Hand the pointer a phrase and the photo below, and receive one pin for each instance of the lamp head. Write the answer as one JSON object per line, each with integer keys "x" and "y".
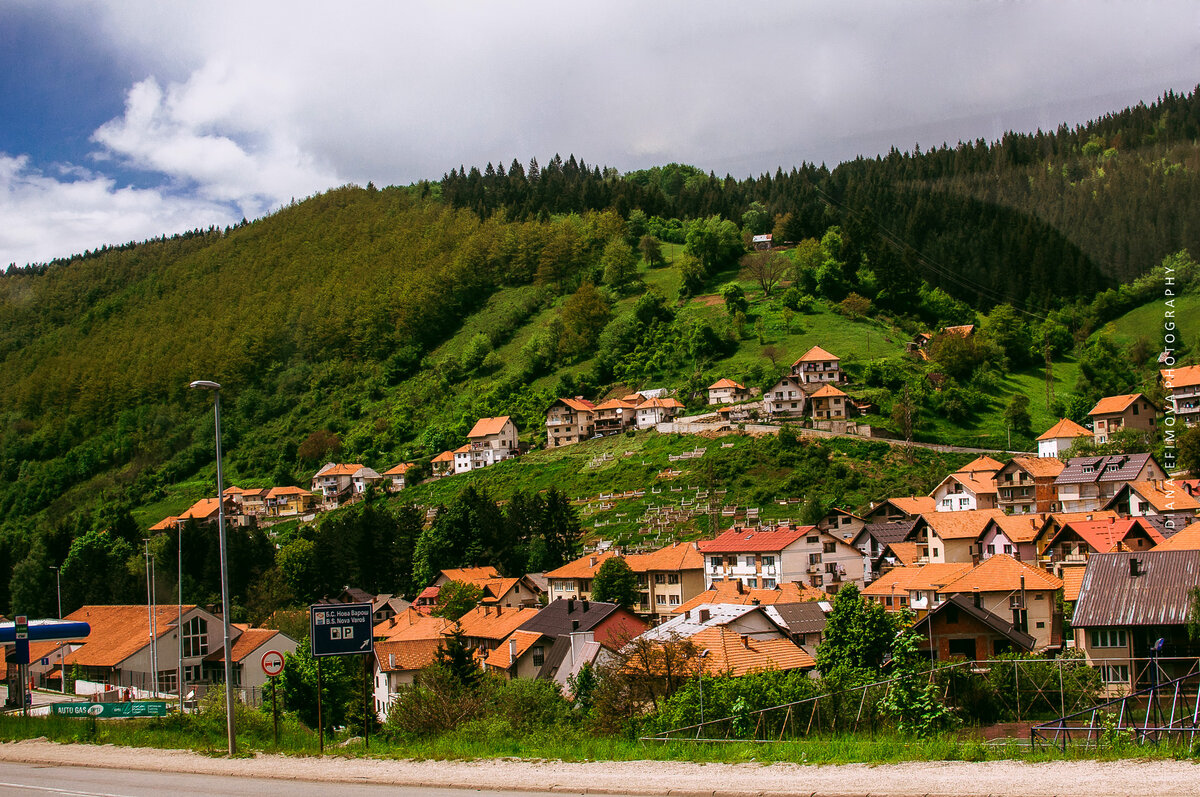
{"x": 204, "y": 384}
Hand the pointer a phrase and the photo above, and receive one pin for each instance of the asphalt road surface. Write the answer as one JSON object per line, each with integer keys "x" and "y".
{"x": 31, "y": 780}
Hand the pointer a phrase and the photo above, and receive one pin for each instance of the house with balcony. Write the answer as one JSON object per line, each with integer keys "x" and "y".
{"x": 951, "y": 536}
{"x": 657, "y": 410}
{"x": 971, "y": 487}
{"x": 548, "y": 639}
{"x": 667, "y": 578}
{"x": 726, "y": 391}
{"x": 1165, "y": 501}
{"x": 1129, "y": 601}
{"x": 616, "y": 415}
{"x": 337, "y": 483}
{"x": 875, "y": 540}
{"x": 1114, "y": 413}
{"x": 786, "y": 398}
{"x": 765, "y": 557}
{"x": 1077, "y": 541}
{"x": 1088, "y": 483}
{"x": 254, "y": 502}
{"x": 827, "y": 403}
{"x": 1182, "y": 387}
{"x": 1026, "y": 485}
{"x": 442, "y": 464}
{"x": 396, "y": 479}
{"x": 574, "y": 579}
{"x": 737, "y": 593}
{"x": 914, "y": 587}
{"x": 732, "y": 640}
{"x": 817, "y": 367}
{"x": 492, "y": 440}
{"x": 289, "y": 501}
{"x": 568, "y": 421}
{"x": 1013, "y": 535}
{"x": 1059, "y": 438}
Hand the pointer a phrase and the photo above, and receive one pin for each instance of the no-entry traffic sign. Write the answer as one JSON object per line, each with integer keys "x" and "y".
{"x": 272, "y": 663}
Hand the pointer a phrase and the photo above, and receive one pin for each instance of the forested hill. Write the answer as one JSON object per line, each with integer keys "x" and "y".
{"x": 376, "y": 326}
{"x": 1024, "y": 219}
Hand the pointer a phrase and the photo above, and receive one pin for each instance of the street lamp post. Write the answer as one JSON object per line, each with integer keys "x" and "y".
{"x": 201, "y": 384}
{"x": 62, "y": 676}
{"x": 179, "y": 619}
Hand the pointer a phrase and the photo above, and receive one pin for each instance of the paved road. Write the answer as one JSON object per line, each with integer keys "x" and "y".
{"x": 59, "y": 781}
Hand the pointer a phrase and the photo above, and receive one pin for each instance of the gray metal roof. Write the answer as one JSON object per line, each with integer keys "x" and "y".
{"x": 1127, "y": 468}
{"x": 558, "y": 618}
{"x": 887, "y": 533}
{"x": 1158, "y": 595}
{"x": 802, "y": 618}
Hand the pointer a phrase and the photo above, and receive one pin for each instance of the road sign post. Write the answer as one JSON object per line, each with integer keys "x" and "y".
{"x": 338, "y": 629}
{"x": 272, "y": 665}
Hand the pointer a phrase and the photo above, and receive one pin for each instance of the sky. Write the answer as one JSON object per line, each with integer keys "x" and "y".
{"x": 129, "y": 119}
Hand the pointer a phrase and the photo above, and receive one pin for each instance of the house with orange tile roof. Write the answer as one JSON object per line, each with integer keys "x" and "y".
{"x": 337, "y": 483}
{"x": 1018, "y": 592}
{"x": 617, "y": 414}
{"x": 522, "y": 655}
{"x": 396, "y": 478}
{"x": 767, "y": 556}
{"x": 1164, "y": 500}
{"x": 1014, "y": 535}
{"x": 667, "y": 577}
{"x": 951, "y": 536}
{"x": 254, "y": 502}
{"x": 442, "y": 464}
{"x": 289, "y": 501}
{"x": 492, "y": 440}
{"x": 732, "y": 640}
{"x": 1074, "y": 543}
{"x": 569, "y": 420}
{"x": 972, "y": 486}
{"x": 1114, "y": 413}
{"x": 118, "y": 652}
{"x": 657, "y": 410}
{"x": 896, "y": 510}
{"x": 916, "y": 587}
{"x": 736, "y": 593}
{"x": 396, "y": 666}
{"x": 726, "y": 391}
{"x": 206, "y": 510}
{"x": 485, "y": 627}
{"x": 1182, "y": 386}
{"x": 462, "y": 458}
{"x": 1026, "y": 485}
{"x": 411, "y": 623}
{"x": 496, "y": 590}
{"x": 1059, "y": 438}
{"x": 827, "y": 403}
{"x": 574, "y": 579}
{"x": 817, "y": 367}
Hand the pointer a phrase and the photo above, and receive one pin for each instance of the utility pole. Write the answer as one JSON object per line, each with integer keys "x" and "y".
{"x": 151, "y": 616}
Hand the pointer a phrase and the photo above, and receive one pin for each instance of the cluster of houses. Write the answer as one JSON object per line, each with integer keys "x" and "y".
{"x": 572, "y": 420}
{"x": 490, "y": 440}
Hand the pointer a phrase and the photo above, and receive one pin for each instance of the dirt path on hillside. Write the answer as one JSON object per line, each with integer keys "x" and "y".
{"x": 1074, "y": 778}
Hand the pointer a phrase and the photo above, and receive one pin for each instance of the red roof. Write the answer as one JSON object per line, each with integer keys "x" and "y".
{"x": 742, "y": 540}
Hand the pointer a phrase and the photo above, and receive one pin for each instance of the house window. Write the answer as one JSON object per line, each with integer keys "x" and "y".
{"x": 195, "y": 637}
{"x": 674, "y": 600}
{"x": 192, "y": 673}
{"x": 1114, "y": 673}
{"x": 768, "y": 583}
{"x": 672, "y": 578}
{"x": 539, "y": 655}
{"x": 1109, "y": 638}
{"x": 991, "y": 549}
{"x": 660, "y": 578}
{"x": 752, "y": 583}
{"x": 814, "y": 558}
{"x": 768, "y": 561}
{"x": 1008, "y": 549}
{"x": 811, "y": 540}
{"x": 952, "y": 615}
{"x": 830, "y": 547}
{"x": 964, "y": 502}
{"x": 661, "y": 600}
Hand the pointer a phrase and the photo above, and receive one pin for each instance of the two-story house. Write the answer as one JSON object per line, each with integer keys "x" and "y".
{"x": 616, "y": 415}
{"x": 951, "y": 536}
{"x": 1088, "y": 483}
{"x": 289, "y": 501}
{"x": 442, "y": 464}
{"x": 726, "y": 391}
{"x": 786, "y": 398}
{"x": 1114, "y": 413}
{"x": 396, "y": 478}
{"x": 568, "y": 421}
{"x": 769, "y": 556}
{"x": 1182, "y": 386}
{"x": 667, "y": 578}
{"x": 574, "y": 579}
{"x": 334, "y": 482}
{"x": 1077, "y": 541}
{"x": 492, "y": 440}
{"x": 827, "y": 403}
{"x": 817, "y": 367}
{"x": 1026, "y": 485}
{"x": 1059, "y": 438}
{"x": 914, "y": 587}
{"x": 971, "y": 487}
{"x": 1016, "y": 591}
{"x": 657, "y": 410}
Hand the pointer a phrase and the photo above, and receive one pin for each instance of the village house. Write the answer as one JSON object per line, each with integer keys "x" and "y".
{"x": 289, "y": 501}
{"x": 1089, "y": 483}
{"x": 1013, "y": 535}
{"x": 667, "y": 577}
{"x": 616, "y": 415}
{"x": 1026, "y": 485}
{"x": 1182, "y": 386}
{"x": 338, "y": 483}
{"x": 1015, "y": 591}
{"x": 1077, "y": 541}
{"x": 957, "y": 628}
{"x": 736, "y": 593}
{"x": 485, "y": 627}
{"x": 492, "y": 440}
{"x": 896, "y": 510}
{"x": 726, "y": 391}
{"x": 1129, "y": 601}
{"x": 818, "y": 367}
{"x": 828, "y": 403}
{"x": 951, "y": 536}
{"x": 574, "y": 579}
{"x": 913, "y": 587}
{"x": 842, "y": 523}
{"x": 657, "y": 410}
{"x": 396, "y": 666}
{"x": 971, "y": 487}
{"x": 876, "y": 542}
{"x": 442, "y": 464}
{"x": 732, "y": 640}
{"x": 765, "y": 557}
{"x": 254, "y": 502}
{"x": 396, "y": 478}
{"x": 785, "y": 399}
{"x": 462, "y": 459}
{"x": 1058, "y": 439}
{"x": 568, "y": 421}
{"x": 496, "y": 590}
{"x": 1162, "y": 500}
{"x": 1114, "y": 413}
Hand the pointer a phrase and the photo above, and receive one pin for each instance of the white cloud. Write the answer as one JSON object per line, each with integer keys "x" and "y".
{"x": 42, "y": 217}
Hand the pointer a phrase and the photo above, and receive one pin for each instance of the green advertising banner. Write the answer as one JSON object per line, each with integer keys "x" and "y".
{"x": 145, "y": 708}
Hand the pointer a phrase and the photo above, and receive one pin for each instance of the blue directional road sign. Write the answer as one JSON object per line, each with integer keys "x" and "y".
{"x": 340, "y": 629}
